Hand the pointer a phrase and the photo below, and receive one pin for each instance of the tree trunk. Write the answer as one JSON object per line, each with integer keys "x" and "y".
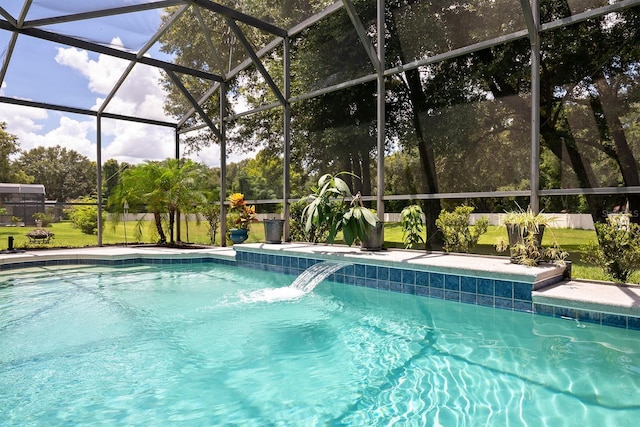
{"x": 612, "y": 109}
{"x": 431, "y": 208}
{"x": 172, "y": 222}
{"x": 158, "y": 220}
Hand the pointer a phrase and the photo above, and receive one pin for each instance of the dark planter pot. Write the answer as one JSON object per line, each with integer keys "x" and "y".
{"x": 375, "y": 239}
{"x": 273, "y": 230}
{"x": 238, "y": 235}
{"x": 516, "y": 236}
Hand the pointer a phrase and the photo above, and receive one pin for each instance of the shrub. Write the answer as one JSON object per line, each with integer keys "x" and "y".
{"x": 45, "y": 218}
{"x": 297, "y": 229}
{"x": 618, "y": 249}
{"x": 412, "y": 223}
{"x": 85, "y": 217}
{"x": 459, "y": 235}
{"x": 211, "y": 212}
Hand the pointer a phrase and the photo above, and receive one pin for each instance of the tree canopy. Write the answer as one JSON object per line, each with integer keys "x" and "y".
{"x": 66, "y": 174}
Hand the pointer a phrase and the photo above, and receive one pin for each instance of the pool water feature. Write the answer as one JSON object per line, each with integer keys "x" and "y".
{"x": 200, "y": 345}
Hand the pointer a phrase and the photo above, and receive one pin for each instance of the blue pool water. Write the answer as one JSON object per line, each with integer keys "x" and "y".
{"x": 211, "y": 345}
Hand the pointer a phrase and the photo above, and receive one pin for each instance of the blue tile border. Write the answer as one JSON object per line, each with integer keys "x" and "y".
{"x": 115, "y": 262}
{"x": 497, "y": 293}
{"x": 588, "y": 316}
{"x": 467, "y": 289}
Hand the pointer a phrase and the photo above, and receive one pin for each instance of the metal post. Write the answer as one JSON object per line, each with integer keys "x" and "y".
{"x": 380, "y": 112}
{"x": 178, "y": 228}
{"x": 125, "y": 209}
{"x": 223, "y": 164}
{"x": 286, "y": 170}
{"x": 534, "y": 202}
{"x": 99, "y": 170}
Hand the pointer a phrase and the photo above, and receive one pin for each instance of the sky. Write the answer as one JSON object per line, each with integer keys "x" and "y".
{"x": 52, "y": 73}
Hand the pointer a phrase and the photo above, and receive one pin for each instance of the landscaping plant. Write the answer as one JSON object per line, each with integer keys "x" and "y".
{"x": 412, "y": 224}
{"x": 525, "y": 230}
{"x": 332, "y": 204}
{"x": 618, "y": 249}
{"x": 85, "y": 217}
{"x": 459, "y": 235}
{"x": 297, "y": 229}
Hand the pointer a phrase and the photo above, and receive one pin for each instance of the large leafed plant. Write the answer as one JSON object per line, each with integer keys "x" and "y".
{"x": 332, "y": 204}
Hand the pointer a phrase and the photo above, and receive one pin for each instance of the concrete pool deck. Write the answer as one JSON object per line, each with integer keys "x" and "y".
{"x": 564, "y": 294}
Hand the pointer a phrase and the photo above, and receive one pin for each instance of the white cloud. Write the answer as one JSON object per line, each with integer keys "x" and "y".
{"x": 140, "y": 96}
{"x": 135, "y": 142}
{"x": 101, "y": 74}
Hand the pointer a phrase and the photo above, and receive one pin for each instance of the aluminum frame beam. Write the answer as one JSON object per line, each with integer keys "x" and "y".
{"x": 83, "y": 111}
{"x": 268, "y": 48}
{"x": 176, "y": 80}
{"x": 534, "y": 180}
{"x": 140, "y": 54}
{"x": 380, "y": 107}
{"x": 101, "y": 13}
{"x": 207, "y": 38}
{"x": 314, "y": 18}
{"x": 362, "y": 35}
{"x": 223, "y": 164}
{"x": 97, "y": 48}
{"x": 286, "y": 113}
{"x": 14, "y": 37}
{"x": 239, "y": 16}
{"x": 256, "y": 61}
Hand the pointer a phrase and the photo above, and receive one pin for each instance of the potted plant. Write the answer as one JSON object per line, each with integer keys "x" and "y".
{"x": 525, "y": 230}
{"x": 242, "y": 215}
{"x": 332, "y": 204}
{"x": 521, "y": 223}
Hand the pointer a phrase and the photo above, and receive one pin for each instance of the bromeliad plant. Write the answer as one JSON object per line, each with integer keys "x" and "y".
{"x": 332, "y": 204}
{"x": 243, "y": 214}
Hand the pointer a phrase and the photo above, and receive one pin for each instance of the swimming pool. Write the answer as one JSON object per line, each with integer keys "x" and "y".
{"x": 220, "y": 345}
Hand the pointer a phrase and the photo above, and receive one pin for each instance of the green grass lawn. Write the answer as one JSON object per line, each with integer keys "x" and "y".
{"x": 66, "y": 236}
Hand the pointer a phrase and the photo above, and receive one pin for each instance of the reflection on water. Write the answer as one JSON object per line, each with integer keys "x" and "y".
{"x": 219, "y": 345}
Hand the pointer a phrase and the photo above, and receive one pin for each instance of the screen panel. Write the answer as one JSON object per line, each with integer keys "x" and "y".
{"x": 590, "y": 103}
{"x": 419, "y": 30}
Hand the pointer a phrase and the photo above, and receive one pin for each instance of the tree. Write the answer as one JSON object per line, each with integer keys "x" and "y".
{"x": 65, "y": 174}
{"x": 8, "y": 147}
{"x": 589, "y": 95}
{"x": 468, "y": 118}
{"x": 111, "y": 172}
{"x": 164, "y": 188}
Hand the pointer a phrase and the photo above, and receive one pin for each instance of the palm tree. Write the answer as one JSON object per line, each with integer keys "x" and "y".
{"x": 164, "y": 188}
{"x": 180, "y": 180}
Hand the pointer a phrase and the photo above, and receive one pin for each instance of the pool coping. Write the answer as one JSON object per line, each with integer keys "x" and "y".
{"x": 115, "y": 255}
{"x": 494, "y": 267}
{"x": 551, "y": 292}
